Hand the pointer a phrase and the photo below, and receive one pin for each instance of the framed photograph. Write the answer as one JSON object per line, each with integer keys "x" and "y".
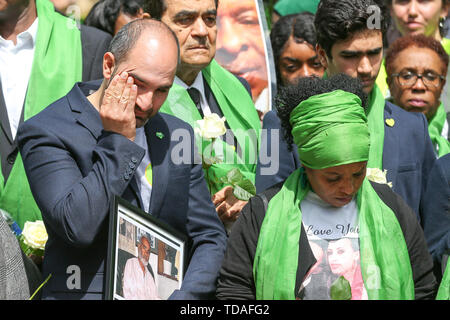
{"x": 146, "y": 257}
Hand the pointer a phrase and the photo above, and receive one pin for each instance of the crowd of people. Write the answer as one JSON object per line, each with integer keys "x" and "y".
{"x": 113, "y": 107}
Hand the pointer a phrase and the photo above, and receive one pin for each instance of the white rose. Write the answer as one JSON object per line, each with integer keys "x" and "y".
{"x": 34, "y": 234}
{"x": 211, "y": 127}
{"x": 378, "y": 176}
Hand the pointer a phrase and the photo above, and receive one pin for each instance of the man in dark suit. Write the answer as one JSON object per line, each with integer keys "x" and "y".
{"x": 85, "y": 148}
{"x": 400, "y": 144}
{"x": 202, "y": 87}
{"x": 42, "y": 55}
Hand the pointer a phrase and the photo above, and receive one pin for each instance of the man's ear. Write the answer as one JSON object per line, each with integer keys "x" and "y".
{"x": 109, "y": 63}
{"x": 322, "y": 56}
{"x": 143, "y": 15}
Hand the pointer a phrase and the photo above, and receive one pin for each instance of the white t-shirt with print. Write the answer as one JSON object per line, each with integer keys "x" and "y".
{"x": 333, "y": 234}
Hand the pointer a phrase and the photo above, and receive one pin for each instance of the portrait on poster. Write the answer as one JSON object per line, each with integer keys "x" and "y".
{"x": 146, "y": 257}
{"x": 243, "y": 47}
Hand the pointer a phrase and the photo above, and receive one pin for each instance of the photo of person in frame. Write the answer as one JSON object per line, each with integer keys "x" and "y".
{"x": 138, "y": 282}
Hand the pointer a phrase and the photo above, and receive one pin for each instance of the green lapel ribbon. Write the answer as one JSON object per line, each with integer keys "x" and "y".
{"x": 57, "y": 66}
{"x": 435, "y": 127}
{"x": 240, "y": 113}
{"x": 319, "y": 123}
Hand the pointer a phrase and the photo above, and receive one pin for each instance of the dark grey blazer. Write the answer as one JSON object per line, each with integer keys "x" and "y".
{"x": 19, "y": 276}
{"x": 94, "y": 45}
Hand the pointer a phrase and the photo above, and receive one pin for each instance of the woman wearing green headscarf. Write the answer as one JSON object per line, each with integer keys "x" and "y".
{"x": 327, "y": 232}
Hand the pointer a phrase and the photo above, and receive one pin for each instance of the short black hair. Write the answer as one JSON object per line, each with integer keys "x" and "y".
{"x": 289, "y": 97}
{"x": 298, "y": 25}
{"x": 338, "y": 20}
{"x": 104, "y": 13}
{"x": 156, "y": 8}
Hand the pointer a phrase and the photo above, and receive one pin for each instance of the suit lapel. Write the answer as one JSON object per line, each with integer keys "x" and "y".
{"x": 158, "y": 139}
{"x": 83, "y": 111}
{"x": 390, "y": 147}
{"x": 88, "y": 117}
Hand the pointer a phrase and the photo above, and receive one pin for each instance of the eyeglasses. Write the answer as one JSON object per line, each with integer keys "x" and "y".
{"x": 409, "y": 78}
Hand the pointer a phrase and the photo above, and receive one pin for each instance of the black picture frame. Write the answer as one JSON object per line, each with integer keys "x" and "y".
{"x": 167, "y": 257}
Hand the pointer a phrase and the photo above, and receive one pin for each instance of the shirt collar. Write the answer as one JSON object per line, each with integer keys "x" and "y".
{"x": 31, "y": 31}
{"x": 198, "y": 83}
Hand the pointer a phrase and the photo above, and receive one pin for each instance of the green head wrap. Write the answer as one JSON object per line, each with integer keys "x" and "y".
{"x": 330, "y": 129}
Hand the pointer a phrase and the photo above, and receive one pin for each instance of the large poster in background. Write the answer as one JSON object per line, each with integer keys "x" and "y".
{"x": 243, "y": 47}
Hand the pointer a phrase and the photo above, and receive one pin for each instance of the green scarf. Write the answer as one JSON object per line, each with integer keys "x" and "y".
{"x": 57, "y": 65}
{"x": 375, "y": 120}
{"x": 435, "y": 126}
{"x": 285, "y": 7}
{"x": 385, "y": 264}
{"x": 311, "y": 124}
{"x": 446, "y": 44}
{"x": 444, "y": 288}
{"x": 240, "y": 113}
{"x": 381, "y": 80}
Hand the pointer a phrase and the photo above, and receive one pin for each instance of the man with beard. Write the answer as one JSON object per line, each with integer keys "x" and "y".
{"x": 138, "y": 277}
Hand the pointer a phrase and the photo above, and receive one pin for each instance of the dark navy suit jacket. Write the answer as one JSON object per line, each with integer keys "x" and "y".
{"x": 437, "y": 210}
{"x": 75, "y": 167}
{"x": 408, "y": 155}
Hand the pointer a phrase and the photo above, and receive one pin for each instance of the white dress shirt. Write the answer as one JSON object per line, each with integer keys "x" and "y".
{"x": 145, "y": 186}
{"x": 138, "y": 284}
{"x": 199, "y": 85}
{"x": 16, "y": 61}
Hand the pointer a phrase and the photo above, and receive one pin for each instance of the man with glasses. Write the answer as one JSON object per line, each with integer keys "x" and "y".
{"x": 416, "y": 68}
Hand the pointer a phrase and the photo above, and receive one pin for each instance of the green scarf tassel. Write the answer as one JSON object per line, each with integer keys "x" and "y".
{"x": 435, "y": 126}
